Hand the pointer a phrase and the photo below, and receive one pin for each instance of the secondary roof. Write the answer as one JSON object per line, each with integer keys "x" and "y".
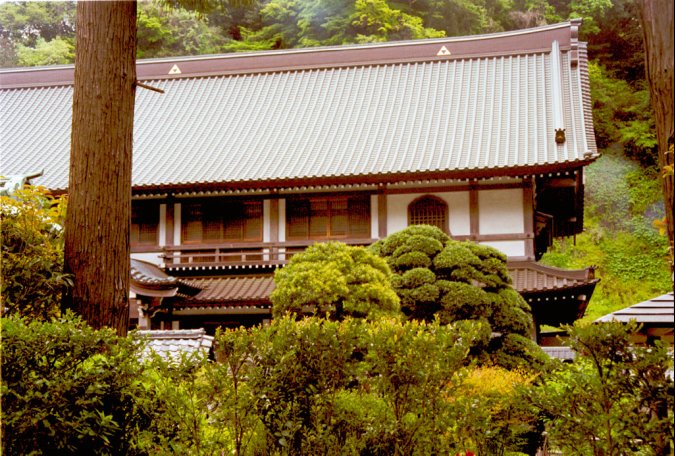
{"x": 466, "y": 107}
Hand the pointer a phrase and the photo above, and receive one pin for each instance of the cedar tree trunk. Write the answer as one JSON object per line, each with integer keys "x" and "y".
{"x": 656, "y": 17}
{"x": 99, "y": 207}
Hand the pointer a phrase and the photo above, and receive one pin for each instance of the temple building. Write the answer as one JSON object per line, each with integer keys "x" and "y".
{"x": 246, "y": 159}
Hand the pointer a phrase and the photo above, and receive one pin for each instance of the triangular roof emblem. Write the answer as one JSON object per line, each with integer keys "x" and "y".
{"x": 175, "y": 70}
{"x": 443, "y": 51}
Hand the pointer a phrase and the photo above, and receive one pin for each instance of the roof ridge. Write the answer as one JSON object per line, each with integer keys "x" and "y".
{"x": 522, "y": 41}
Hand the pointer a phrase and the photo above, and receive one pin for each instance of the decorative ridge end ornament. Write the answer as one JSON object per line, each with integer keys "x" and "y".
{"x": 574, "y": 41}
{"x": 11, "y": 183}
{"x": 560, "y": 135}
{"x": 444, "y": 52}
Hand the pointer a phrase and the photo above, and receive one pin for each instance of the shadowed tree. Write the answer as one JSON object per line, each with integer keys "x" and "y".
{"x": 99, "y": 210}
{"x": 656, "y": 17}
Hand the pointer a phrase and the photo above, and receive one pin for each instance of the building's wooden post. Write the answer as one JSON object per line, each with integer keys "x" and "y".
{"x": 474, "y": 220}
{"x": 528, "y": 213}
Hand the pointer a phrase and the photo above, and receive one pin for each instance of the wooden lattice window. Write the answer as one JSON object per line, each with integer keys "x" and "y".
{"x": 144, "y": 223}
{"x": 221, "y": 221}
{"x": 328, "y": 218}
{"x": 429, "y": 210}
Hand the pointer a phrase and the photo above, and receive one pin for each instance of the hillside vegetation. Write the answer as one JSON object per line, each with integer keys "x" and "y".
{"x": 622, "y": 201}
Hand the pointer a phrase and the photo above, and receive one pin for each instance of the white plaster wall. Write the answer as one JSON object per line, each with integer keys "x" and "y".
{"x": 458, "y": 211}
{"x": 501, "y": 211}
{"x": 374, "y": 217}
{"x": 509, "y": 248}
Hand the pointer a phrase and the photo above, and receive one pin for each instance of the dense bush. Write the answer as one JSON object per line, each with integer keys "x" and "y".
{"x": 315, "y": 386}
{"x": 437, "y": 277}
{"x": 615, "y": 398}
{"x": 68, "y": 389}
{"x": 32, "y": 253}
{"x": 351, "y": 387}
{"x": 337, "y": 280}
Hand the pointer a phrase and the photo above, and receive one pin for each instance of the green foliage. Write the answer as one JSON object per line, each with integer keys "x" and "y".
{"x": 349, "y": 387}
{"x": 164, "y": 32}
{"x": 437, "y": 277}
{"x": 230, "y": 399}
{"x": 32, "y": 253}
{"x": 492, "y": 413}
{"x": 622, "y": 113}
{"x": 415, "y": 419}
{"x": 183, "y": 408}
{"x": 32, "y": 31}
{"x": 376, "y": 20}
{"x": 622, "y": 201}
{"x": 299, "y": 368}
{"x": 68, "y": 389}
{"x": 55, "y": 52}
{"x": 334, "y": 279}
{"x": 615, "y": 398}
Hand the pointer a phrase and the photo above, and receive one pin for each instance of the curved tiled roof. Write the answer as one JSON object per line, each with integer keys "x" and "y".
{"x": 240, "y": 289}
{"x": 149, "y": 280}
{"x": 529, "y": 276}
{"x": 490, "y": 106}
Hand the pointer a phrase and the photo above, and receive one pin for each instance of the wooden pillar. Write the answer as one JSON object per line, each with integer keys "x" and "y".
{"x": 382, "y": 212}
{"x": 474, "y": 221}
{"x": 528, "y": 213}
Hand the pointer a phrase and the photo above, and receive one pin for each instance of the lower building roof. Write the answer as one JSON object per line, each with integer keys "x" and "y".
{"x": 240, "y": 291}
{"x": 655, "y": 311}
{"x": 173, "y": 345}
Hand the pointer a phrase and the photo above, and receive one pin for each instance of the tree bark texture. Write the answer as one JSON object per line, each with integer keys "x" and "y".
{"x": 99, "y": 208}
{"x": 657, "y": 27}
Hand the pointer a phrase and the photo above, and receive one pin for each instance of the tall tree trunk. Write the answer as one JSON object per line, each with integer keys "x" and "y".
{"x": 99, "y": 207}
{"x": 657, "y": 27}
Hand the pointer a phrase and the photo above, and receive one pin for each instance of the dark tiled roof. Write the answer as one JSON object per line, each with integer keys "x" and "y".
{"x": 149, "y": 280}
{"x": 490, "y": 107}
{"x": 658, "y": 311}
{"x": 253, "y": 290}
{"x": 529, "y": 276}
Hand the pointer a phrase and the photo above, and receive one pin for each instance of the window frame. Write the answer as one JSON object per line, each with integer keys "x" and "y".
{"x": 436, "y": 203}
{"x": 216, "y": 216}
{"x": 356, "y": 212}
{"x": 144, "y": 214}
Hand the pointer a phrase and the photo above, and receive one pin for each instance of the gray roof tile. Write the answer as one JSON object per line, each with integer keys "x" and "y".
{"x": 172, "y": 345}
{"x": 462, "y": 114}
{"x": 659, "y": 310}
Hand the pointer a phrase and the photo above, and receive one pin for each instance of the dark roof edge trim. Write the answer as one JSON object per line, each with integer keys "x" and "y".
{"x": 524, "y": 41}
{"x": 362, "y": 180}
{"x": 371, "y": 179}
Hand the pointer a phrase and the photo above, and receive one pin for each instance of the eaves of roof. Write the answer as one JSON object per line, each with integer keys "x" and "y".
{"x": 530, "y": 277}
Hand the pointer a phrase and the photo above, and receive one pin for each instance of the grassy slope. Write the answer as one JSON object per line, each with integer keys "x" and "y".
{"x": 622, "y": 200}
